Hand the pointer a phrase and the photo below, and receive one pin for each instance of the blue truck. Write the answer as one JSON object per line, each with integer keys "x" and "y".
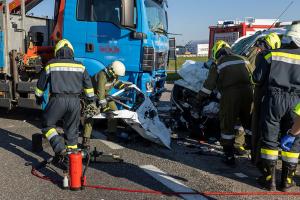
{"x": 101, "y": 31}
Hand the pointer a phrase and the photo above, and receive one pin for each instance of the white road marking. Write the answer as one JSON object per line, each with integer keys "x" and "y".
{"x": 170, "y": 182}
{"x": 241, "y": 175}
{"x": 103, "y": 139}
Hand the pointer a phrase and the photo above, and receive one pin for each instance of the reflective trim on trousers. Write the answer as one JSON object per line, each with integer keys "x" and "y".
{"x": 269, "y": 154}
{"x": 89, "y": 90}
{"x": 240, "y": 128}
{"x": 290, "y": 157}
{"x": 51, "y": 133}
{"x": 72, "y": 146}
{"x": 206, "y": 91}
{"x": 227, "y": 136}
{"x": 248, "y": 132}
{"x": 90, "y": 94}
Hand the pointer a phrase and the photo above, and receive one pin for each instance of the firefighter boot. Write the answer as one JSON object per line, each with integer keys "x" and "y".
{"x": 287, "y": 174}
{"x": 240, "y": 151}
{"x": 229, "y": 158}
{"x": 268, "y": 180}
{"x": 85, "y": 143}
{"x": 61, "y": 160}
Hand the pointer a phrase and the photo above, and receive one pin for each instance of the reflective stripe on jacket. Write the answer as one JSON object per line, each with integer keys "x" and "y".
{"x": 231, "y": 71}
{"x": 65, "y": 76}
{"x": 280, "y": 68}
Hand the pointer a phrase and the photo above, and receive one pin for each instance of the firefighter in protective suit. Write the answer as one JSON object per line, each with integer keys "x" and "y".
{"x": 66, "y": 79}
{"x": 106, "y": 80}
{"x": 231, "y": 76}
{"x": 268, "y": 42}
{"x": 280, "y": 70}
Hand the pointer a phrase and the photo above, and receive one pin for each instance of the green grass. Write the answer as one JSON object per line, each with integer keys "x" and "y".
{"x": 172, "y": 76}
{"x": 181, "y": 60}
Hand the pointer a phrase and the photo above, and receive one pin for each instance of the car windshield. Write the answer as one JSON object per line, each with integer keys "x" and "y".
{"x": 157, "y": 19}
{"x": 241, "y": 46}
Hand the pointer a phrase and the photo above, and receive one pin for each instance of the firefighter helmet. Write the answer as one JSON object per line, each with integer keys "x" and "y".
{"x": 273, "y": 40}
{"x": 217, "y": 46}
{"x": 118, "y": 68}
{"x": 62, "y": 43}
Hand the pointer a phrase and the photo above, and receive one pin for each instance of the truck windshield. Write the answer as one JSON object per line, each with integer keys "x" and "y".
{"x": 157, "y": 19}
{"x": 99, "y": 11}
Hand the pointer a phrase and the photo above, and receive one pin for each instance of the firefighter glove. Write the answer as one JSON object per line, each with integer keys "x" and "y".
{"x": 90, "y": 110}
{"x": 106, "y": 108}
{"x": 102, "y": 103}
{"x": 287, "y": 142}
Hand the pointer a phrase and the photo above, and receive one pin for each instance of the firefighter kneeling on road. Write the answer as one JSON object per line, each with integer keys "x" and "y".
{"x": 280, "y": 70}
{"x": 231, "y": 75}
{"x": 67, "y": 79}
{"x": 106, "y": 80}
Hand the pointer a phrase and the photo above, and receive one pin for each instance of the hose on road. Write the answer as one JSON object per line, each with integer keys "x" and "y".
{"x": 35, "y": 173}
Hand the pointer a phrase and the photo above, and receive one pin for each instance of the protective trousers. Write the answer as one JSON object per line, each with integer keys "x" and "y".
{"x": 259, "y": 92}
{"x": 111, "y": 123}
{"x": 67, "y": 108}
{"x": 235, "y": 106}
{"x": 278, "y": 105}
{"x": 239, "y": 140}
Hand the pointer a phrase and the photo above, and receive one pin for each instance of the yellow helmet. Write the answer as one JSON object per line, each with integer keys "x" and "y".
{"x": 273, "y": 40}
{"x": 61, "y": 44}
{"x": 217, "y": 46}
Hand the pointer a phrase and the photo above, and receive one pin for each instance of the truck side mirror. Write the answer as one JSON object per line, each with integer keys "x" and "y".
{"x": 138, "y": 35}
{"x": 127, "y": 18}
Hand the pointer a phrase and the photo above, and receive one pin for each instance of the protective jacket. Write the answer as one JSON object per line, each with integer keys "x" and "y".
{"x": 251, "y": 56}
{"x": 231, "y": 71}
{"x": 105, "y": 83}
{"x": 65, "y": 76}
{"x": 279, "y": 69}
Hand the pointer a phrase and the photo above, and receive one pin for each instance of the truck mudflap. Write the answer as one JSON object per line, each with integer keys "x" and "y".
{"x": 27, "y": 97}
{"x": 5, "y": 94}
{"x": 143, "y": 119}
{"x": 5, "y": 103}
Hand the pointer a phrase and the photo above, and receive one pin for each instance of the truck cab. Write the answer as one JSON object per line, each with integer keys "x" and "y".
{"x": 131, "y": 31}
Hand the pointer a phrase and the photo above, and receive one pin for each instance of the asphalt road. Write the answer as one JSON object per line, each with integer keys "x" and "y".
{"x": 146, "y": 167}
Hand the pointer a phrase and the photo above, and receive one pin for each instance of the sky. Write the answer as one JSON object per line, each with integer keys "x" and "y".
{"x": 191, "y": 18}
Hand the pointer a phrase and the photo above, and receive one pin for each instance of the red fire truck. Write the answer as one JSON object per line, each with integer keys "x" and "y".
{"x": 231, "y": 30}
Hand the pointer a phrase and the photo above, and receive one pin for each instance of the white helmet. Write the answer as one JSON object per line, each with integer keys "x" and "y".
{"x": 119, "y": 68}
{"x": 294, "y": 30}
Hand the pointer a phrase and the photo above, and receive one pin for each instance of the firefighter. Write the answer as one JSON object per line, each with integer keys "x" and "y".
{"x": 106, "y": 80}
{"x": 268, "y": 42}
{"x": 66, "y": 79}
{"x": 279, "y": 69}
{"x": 231, "y": 76}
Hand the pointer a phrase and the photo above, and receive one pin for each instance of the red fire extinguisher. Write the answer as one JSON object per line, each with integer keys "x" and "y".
{"x": 75, "y": 170}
